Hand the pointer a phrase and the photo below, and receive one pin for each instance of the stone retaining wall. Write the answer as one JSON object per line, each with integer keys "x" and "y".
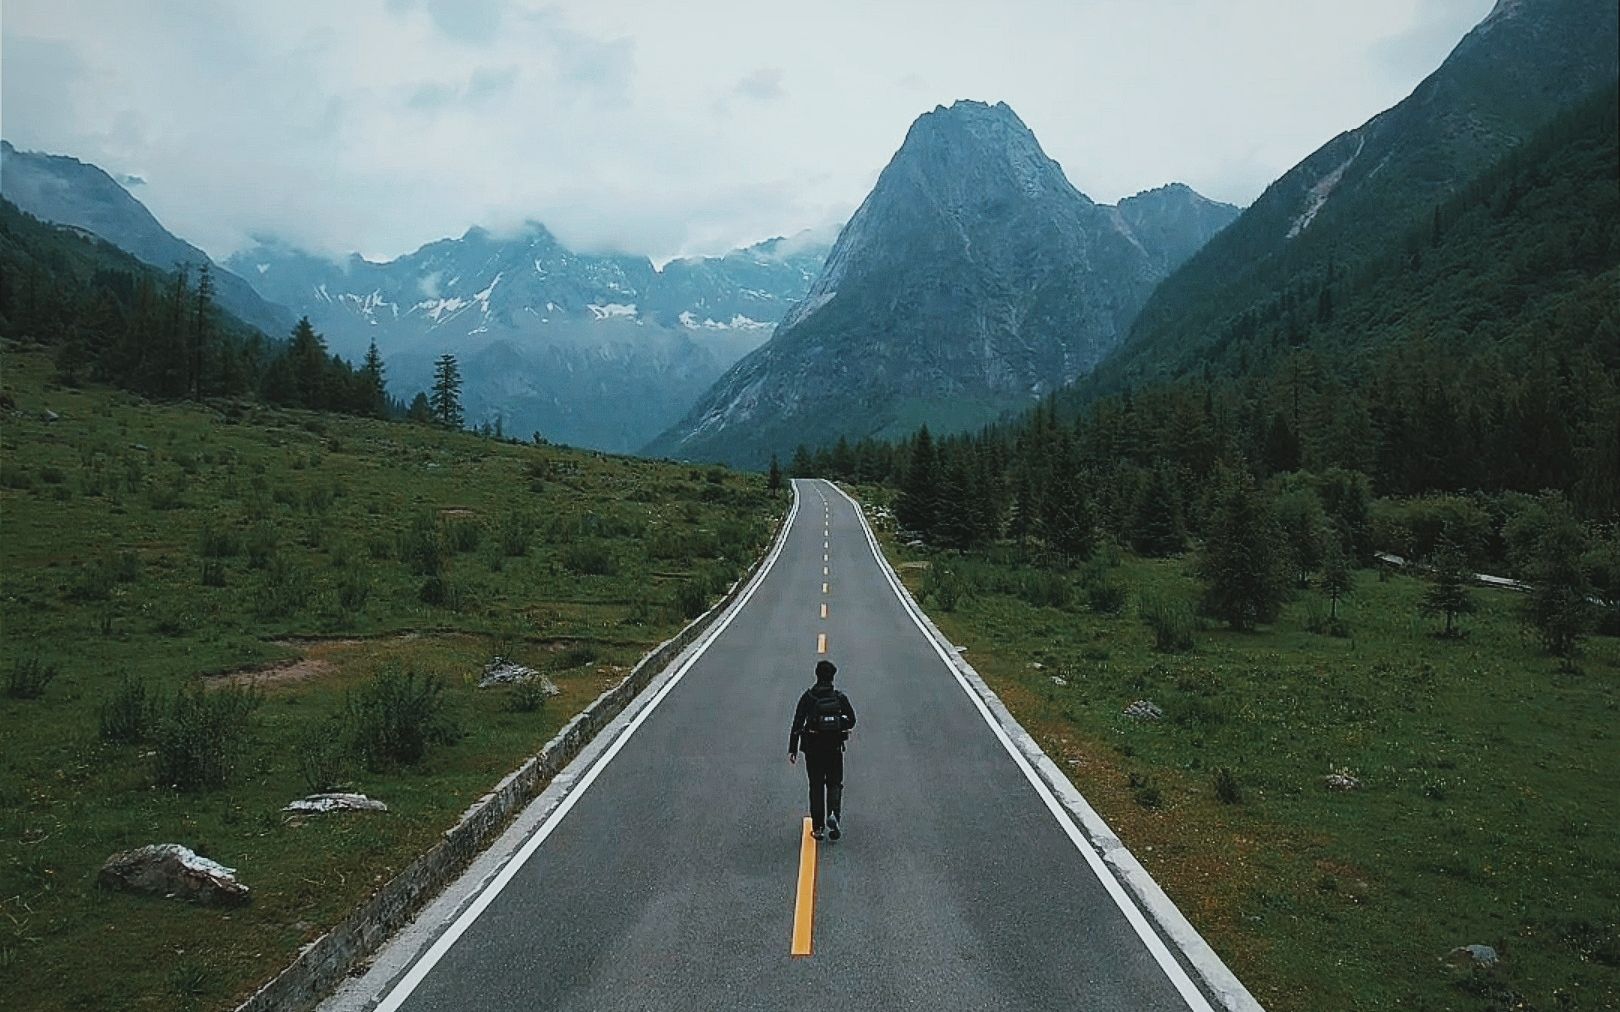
{"x": 323, "y": 963}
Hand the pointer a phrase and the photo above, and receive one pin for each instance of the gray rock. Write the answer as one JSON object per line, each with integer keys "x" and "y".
{"x": 316, "y": 804}
{"x": 501, "y": 671}
{"x": 169, "y": 869}
{"x": 1342, "y": 780}
{"x": 50, "y": 416}
{"x": 1059, "y": 681}
{"x": 1465, "y": 956}
{"x": 1144, "y": 709}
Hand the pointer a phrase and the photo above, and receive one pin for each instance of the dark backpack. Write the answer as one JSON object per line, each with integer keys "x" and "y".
{"x": 826, "y": 715}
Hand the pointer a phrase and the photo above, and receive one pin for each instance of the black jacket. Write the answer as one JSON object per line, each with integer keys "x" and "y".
{"x": 801, "y": 714}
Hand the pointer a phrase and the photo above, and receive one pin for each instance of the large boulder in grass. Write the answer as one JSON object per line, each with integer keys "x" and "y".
{"x": 168, "y": 869}
{"x": 337, "y": 801}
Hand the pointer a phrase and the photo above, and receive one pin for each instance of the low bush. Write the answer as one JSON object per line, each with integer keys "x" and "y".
{"x": 1106, "y": 598}
{"x": 463, "y": 534}
{"x": 323, "y": 756}
{"x": 127, "y": 716}
{"x": 1171, "y": 620}
{"x": 1227, "y": 789}
{"x": 395, "y": 716}
{"x": 589, "y": 558}
{"x": 202, "y": 736}
{"x": 28, "y": 676}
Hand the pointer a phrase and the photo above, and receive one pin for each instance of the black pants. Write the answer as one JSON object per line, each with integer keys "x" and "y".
{"x": 825, "y": 768}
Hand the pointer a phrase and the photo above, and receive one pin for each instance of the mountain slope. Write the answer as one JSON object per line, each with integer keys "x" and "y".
{"x": 594, "y": 350}
{"x": 1336, "y": 211}
{"x": 973, "y": 278}
{"x": 70, "y": 192}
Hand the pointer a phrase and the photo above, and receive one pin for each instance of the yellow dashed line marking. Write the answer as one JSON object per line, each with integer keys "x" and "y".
{"x": 804, "y": 905}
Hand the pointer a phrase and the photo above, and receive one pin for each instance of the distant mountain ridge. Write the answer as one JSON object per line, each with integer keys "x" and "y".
{"x": 66, "y": 191}
{"x": 1336, "y": 211}
{"x": 972, "y": 279}
{"x": 597, "y": 350}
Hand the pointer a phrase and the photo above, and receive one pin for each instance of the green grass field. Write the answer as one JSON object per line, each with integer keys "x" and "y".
{"x": 1489, "y": 812}
{"x": 175, "y": 544}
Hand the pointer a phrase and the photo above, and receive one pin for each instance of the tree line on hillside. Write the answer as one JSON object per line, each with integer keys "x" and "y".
{"x": 109, "y": 318}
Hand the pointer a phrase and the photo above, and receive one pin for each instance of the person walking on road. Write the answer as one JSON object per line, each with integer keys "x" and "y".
{"x": 821, "y": 723}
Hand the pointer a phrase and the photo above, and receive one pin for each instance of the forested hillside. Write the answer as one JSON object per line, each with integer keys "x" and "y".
{"x": 110, "y": 318}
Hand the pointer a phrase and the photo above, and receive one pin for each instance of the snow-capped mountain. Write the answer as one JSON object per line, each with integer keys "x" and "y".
{"x": 973, "y": 279}
{"x": 597, "y": 350}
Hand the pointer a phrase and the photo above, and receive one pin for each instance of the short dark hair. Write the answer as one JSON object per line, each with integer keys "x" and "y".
{"x": 825, "y": 671}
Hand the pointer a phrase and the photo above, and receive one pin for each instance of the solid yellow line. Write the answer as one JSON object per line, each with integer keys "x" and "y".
{"x": 821, "y": 643}
{"x": 804, "y": 905}
{"x": 824, "y": 609}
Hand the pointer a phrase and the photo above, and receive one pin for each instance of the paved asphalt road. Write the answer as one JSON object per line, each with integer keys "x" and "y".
{"x": 671, "y": 882}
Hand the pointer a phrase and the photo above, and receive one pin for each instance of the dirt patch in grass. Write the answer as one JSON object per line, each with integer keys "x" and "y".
{"x": 284, "y": 673}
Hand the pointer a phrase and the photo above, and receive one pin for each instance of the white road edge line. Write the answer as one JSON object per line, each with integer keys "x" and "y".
{"x": 428, "y": 960}
{"x": 1210, "y": 967}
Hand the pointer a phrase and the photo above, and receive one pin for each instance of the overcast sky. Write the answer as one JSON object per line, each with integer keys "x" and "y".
{"x": 658, "y": 127}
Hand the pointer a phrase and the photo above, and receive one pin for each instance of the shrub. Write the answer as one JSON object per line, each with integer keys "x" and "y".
{"x": 577, "y": 656}
{"x": 441, "y": 592}
{"x": 1227, "y": 789}
{"x": 1046, "y": 589}
{"x": 1171, "y": 620}
{"x": 943, "y": 587}
{"x": 589, "y": 558}
{"x": 89, "y": 584}
{"x": 463, "y": 534}
{"x": 285, "y": 590}
{"x": 1105, "y": 598}
{"x": 216, "y": 542}
{"x": 213, "y": 573}
{"x": 395, "y": 716}
{"x": 322, "y": 756}
{"x": 28, "y": 677}
{"x": 353, "y": 590}
{"x": 1145, "y": 792}
{"x": 517, "y": 532}
{"x": 526, "y": 696}
{"x": 261, "y": 544}
{"x": 201, "y": 737}
{"x": 127, "y": 715}
{"x": 692, "y": 597}
{"x": 420, "y": 548}
{"x": 125, "y": 567}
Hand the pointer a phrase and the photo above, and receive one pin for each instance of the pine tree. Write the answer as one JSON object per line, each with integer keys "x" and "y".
{"x": 1557, "y": 606}
{"x": 421, "y": 411}
{"x": 1448, "y": 589}
{"x": 201, "y": 329}
{"x": 1070, "y": 525}
{"x": 1155, "y": 523}
{"x": 773, "y": 479}
{"x": 802, "y": 466}
{"x": 1304, "y": 529}
{"x": 1338, "y": 581}
{"x": 917, "y": 507}
{"x": 374, "y": 387}
{"x": 445, "y": 398}
{"x": 1243, "y": 574}
{"x": 307, "y": 357}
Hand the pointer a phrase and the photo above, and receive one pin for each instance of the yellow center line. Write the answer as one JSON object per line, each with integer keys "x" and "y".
{"x": 824, "y": 609}
{"x": 804, "y": 905}
{"x": 821, "y": 643}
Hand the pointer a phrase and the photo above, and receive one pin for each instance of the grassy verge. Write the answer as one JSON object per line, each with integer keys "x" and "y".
{"x": 1488, "y": 811}
{"x": 182, "y": 546}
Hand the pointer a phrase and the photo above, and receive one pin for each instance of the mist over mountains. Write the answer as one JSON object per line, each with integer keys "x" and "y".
{"x": 67, "y": 191}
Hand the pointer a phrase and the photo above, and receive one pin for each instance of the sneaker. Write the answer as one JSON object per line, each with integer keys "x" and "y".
{"x": 832, "y": 828}
{"x": 816, "y": 834}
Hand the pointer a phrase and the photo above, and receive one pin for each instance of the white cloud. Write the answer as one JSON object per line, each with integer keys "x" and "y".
{"x": 378, "y": 125}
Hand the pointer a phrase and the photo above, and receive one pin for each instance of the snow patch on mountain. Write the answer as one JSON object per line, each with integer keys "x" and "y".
{"x": 613, "y": 311}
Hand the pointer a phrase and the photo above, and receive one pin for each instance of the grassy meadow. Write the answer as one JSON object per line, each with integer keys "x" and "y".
{"x": 294, "y": 558}
{"x": 1488, "y": 811}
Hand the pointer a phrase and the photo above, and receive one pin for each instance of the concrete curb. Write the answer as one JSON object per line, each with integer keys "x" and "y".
{"x": 324, "y": 963}
{"x": 1214, "y": 977}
